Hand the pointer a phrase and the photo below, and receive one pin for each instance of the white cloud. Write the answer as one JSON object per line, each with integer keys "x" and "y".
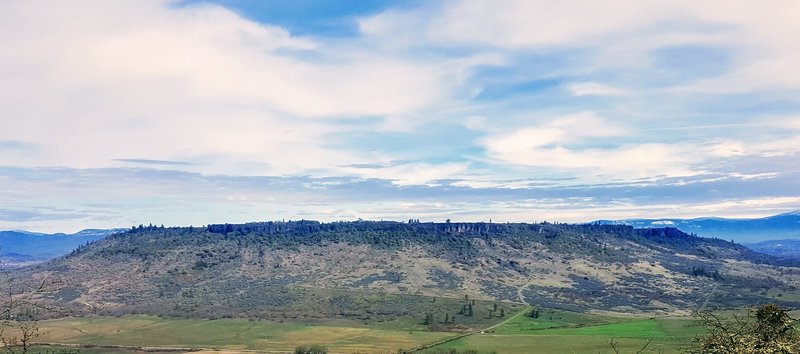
{"x": 761, "y": 35}
{"x": 103, "y": 84}
{"x": 583, "y": 210}
{"x": 792, "y": 123}
{"x": 213, "y": 53}
{"x": 777, "y": 147}
{"x": 410, "y": 173}
{"x": 476, "y": 123}
{"x": 550, "y": 145}
{"x": 586, "y": 125}
{"x": 539, "y": 23}
{"x": 595, "y": 89}
{"x": 758, "y": 146}
{"x": 566, "y": 144}
{"x": 150, "y": 80}
{"x": 95, "y": 81}
{"x": 743, "y": 208}
{"x": 561, "y": 130}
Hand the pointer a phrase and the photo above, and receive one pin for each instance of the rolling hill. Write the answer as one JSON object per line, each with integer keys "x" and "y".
{"x": 380, "y": 270}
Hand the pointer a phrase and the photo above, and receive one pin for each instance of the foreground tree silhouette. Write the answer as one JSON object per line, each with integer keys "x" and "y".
{"x": 21, "y": 310}
{"x": 19, "y": 324}
{"x": 767, "y": 330}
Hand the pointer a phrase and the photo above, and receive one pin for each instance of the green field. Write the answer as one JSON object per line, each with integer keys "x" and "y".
{"x": 230, "y": 334}
{"x": 522, "y": 325}
{"x": 527, "y": 335}
{"x": 553, "y": 332}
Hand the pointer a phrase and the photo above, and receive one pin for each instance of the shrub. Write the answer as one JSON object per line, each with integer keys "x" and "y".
{"x": 768, "y": 329}
{"x": 312, "y": 349}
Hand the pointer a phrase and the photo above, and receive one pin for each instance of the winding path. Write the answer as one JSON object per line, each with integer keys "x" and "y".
{"x": 447, "y": 340}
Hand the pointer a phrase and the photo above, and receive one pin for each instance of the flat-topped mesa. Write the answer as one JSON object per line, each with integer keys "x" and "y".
{"x": 193, "y": 271}
{"x": 664, "y": 232}
{"x": 458, "y": 241}
{"x": 478, "y": 228}
{"x": 310, "y": 226}
{"x": 395, "y": 233}
{"x": 589, "y": 239}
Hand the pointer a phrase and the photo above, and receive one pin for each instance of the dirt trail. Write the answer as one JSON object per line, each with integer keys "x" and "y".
{"x": 446, "y": 340}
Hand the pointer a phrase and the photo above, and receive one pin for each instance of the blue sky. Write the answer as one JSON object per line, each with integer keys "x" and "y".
{"x": 192, "y": 112}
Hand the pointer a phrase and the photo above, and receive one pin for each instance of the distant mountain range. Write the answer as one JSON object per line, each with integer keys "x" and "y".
{"x": 780, "y": 248}
{"x": 25, "y": 247}
{"x": 776, "y": 227}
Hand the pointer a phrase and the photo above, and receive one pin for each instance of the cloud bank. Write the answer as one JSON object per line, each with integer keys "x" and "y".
{"x": 445, "y": 109}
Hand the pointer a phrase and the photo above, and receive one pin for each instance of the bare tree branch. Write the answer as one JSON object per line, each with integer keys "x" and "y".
{"x": 645, "y": 346}
{"x": 614, "y": 346}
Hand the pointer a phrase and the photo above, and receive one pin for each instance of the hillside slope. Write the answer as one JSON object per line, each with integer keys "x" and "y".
{"x": 276, "y": 269}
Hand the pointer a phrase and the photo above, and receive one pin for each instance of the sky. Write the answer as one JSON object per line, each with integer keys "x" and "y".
{"x": 119, "y": 113}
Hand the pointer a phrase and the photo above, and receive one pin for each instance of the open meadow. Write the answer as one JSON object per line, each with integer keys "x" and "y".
{"x": 664, "y": 335}
{"x": 231, "y": 334}
{"x": 553, "y": 331}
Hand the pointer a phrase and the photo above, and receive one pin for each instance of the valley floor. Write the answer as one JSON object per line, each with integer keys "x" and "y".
{"x": 660, "y": 335}
{"x": 552, "y": 332}
{"x": 232, "y": 335}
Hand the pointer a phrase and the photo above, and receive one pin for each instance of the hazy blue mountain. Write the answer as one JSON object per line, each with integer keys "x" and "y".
{"x": 781, "y": 226}
{"x": 22, "y": 247}
{"x": 779, "y": 248}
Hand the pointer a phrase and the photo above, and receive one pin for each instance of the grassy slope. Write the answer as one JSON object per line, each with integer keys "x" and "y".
{"x": 524, "y": 325}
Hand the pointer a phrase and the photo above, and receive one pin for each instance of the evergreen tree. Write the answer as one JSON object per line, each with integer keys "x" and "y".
{"x": 534, "y": 313}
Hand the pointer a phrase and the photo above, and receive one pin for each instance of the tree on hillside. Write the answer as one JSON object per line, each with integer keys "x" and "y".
{"x": 768, "y": 329}
{"x": 310, "y": 349}
{"x": 534, "y": 313}
{"x": 20, "y": 312}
